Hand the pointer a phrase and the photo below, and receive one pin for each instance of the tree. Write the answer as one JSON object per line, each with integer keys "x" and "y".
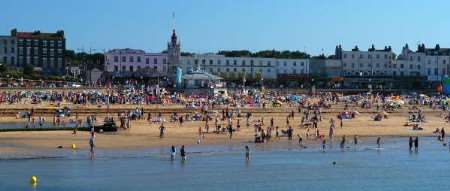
{"x": 28, "y": 69}
{"x": 3, "y": 68}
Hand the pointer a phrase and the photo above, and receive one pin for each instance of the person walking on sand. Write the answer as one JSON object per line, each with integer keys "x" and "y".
{"x": 247, "y": 153}
{"x": 161, "y": 130}
{"x": 331, "y": 133}
{"x": 183, "y": 153}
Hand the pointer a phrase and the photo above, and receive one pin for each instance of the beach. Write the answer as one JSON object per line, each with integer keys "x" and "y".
{"x": 145, "y": 134}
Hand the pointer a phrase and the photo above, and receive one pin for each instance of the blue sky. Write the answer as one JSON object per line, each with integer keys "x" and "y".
{"x": 212, "y": 25}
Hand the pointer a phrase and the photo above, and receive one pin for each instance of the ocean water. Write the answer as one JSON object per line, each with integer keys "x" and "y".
{"x": 281, "y": 166}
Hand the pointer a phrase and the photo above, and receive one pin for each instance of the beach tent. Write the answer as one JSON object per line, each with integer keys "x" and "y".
{"x": 446, "y": 86}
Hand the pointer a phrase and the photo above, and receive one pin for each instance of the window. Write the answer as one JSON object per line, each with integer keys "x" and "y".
{"x": 268, "y": 63}
{"x": 164, "y": 61}
{"x": 268, "y": 69}
{"x": 124, "y": 59}
{"x": 116, "y": 59}
{"x": 131, "y": 68}
{"x": 243, "y": 62}
{"x": 227, "y": 62}
{"x": 234, "y": 69}
{"x": 284, "y": 63}
{"x": 211, "y": 62}
{"x": 302, "y": 63}
{"x": 378, "y": 56}
{"x": 410, "y": 66}
{"x": 139, "y": 59}
{"x": 295, "y": 64}
{"x": 147, "y": 60}
{"x": 116, "y": 68}
{"x": 377, "y": 65}
{"x": 131, "y": 59}
{"x": 139, "y": 67}
{"x": 123, "y": 68}
{"x": 155, "y": 61}
{"x": 401, "y": 65}
{"x": 203, "y": 61}
{"x": 234, "y": 62}
{"x": 219, "y": 63}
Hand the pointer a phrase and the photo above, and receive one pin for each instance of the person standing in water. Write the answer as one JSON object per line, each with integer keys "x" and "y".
{"x": 410, "y": 143}
{"x": 416, "y": 144}
{"x": 92, "y": 145}
{"x": 443, "y": 134}
{"x": 183, "y": 153}
{"x": 324, "y": 143}
{"x": 379, "y": 142}
{"x": 343, "y": 142}
{"x": 355, "y": 140}
{"x": 173, "y": 152}
{"x": 247, "y": 153}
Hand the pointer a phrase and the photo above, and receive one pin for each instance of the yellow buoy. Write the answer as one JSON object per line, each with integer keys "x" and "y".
{"x": 33, "y": 180}
{"x": 74, "y": 146}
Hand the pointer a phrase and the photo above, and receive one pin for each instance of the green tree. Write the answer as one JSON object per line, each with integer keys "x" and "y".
{"x": 28, "y": 69}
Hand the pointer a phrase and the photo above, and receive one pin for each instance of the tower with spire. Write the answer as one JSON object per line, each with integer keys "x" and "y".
{"x": 173, "y": 54}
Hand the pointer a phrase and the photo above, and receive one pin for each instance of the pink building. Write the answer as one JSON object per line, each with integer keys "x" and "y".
{"x": 127, "y": 62}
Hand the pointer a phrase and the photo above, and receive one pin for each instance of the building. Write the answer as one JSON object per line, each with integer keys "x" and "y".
{"x": 325, "y": 67}
{"x": 8, "y": 50}
{"x": 433, "y": 63}
{"x": 94, "y": 76}
{"x": 173, "y": 55}
{"x": 133, "y": 62}
{"x": 235, "y": 68}
{"x": 41, "y": 50}
{"x": 373, "y": 62}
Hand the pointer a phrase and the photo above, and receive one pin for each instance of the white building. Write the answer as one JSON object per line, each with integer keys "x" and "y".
{"x": 252, "y": 67}
{"x": 372, "y": 62}
{"x": 125, "y": 62}
{"x": 434, "y": 63}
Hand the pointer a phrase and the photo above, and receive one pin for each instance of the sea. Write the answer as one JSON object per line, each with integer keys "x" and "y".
{"x": 276, "y": 166}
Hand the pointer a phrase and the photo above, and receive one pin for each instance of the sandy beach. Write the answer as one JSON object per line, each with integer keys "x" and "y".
{"x": 144, "y": 134}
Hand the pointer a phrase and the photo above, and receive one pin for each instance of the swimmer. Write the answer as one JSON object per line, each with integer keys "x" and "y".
{"x": 173, "y": 152}
{"x": 247, "y": 153}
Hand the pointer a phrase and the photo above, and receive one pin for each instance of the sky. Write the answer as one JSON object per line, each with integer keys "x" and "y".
{"x": 314, "y": 26}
